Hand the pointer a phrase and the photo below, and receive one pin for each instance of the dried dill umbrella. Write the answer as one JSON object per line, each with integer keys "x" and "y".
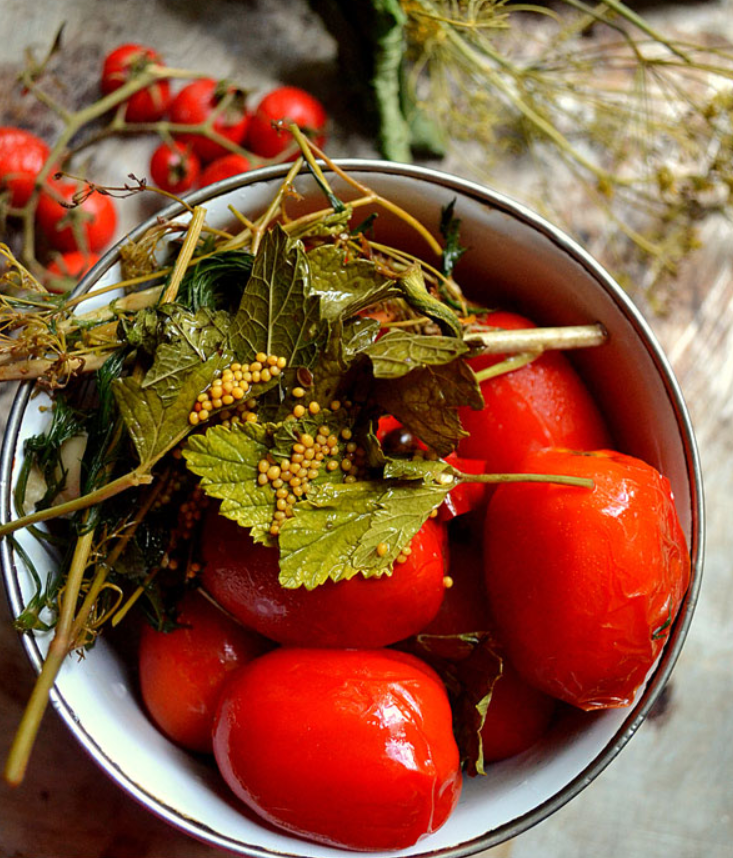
{"x": 612, "y": 128}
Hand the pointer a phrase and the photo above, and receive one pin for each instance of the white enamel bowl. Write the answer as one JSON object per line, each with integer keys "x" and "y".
{"x": 514, "y": 258}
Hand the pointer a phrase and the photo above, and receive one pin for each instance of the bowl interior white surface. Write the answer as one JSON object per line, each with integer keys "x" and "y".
{"x": 514, "y": 258}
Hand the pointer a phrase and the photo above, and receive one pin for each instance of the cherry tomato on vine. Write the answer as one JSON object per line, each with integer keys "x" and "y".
{"x": 286, "y": 105}
{"x": 123, "y": 64}
{"x": 542, "y": 404}
{"x": 175, "y": 168}
{"x": 68, "y": 268}
{"x": 242, "y": 577}
{"x": 196, "y": 102}
{"x": 91, "y": 223}
{"x": 182, "y": 672}
{"x": 584, "y": 583}
{"x": 224, "y": 167}
{"x": 349, "y": 748}
{"x": 22, "y": 155}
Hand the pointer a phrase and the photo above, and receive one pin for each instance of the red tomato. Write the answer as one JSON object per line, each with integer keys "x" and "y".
{"x": 285, "y": 105}
{"x": 22, "y": 155}
{"x": 196, "y": 102}
{"x": 68, "y": 268}
{"x": 583, "y": 583}
{"x": 223, "y": 168}
{"x": 123, "y": 64}
{"x": 543, "y": 404}
{"x": 518, "y": 715}
{"x": 465, "y": 497}
{"x": 243, "y": 578}
{"x": 93, "y": 222}
{"x": 349, "y": 748}
{"x": 182, "y": 672}
{"x": 174, "y": 168}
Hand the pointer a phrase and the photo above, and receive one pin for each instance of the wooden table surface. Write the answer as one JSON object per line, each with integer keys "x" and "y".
{"x": 670, "y": 794}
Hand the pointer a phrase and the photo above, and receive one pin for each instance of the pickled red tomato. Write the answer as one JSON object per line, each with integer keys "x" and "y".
{"x": 350, "y": 748}
{"x": 542, "y": 404}
{"x": 242, "y": 577}
{"x": 584, "y": 583}
{"x": 183, "y": 671}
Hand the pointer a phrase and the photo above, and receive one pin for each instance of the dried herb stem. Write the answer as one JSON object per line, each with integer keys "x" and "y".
{"x": 539, "y": 339}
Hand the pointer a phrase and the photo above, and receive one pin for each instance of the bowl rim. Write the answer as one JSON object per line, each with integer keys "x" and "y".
{"x": 568, "y": 245}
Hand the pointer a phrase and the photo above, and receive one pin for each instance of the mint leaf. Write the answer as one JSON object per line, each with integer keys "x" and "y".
{"x": 419, "y": 469}
{"x": 425, "y": 402}
{"x": 227, "y": 460}
{"x": 331, "y": 224}
{"x": 334, "y": 534}
{"x": 398, "y": 352}
{"x": 278, "y": 314}
{"x": 156, "y": 424}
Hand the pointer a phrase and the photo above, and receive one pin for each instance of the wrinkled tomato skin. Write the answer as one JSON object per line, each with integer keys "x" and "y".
{"x": 288, "y": 104}
{"x": 350, "y": 748}
{"x": 96, "y": 215}
{"x": 120, "y": 66}
{"x": 542, "y": 404}
{"x": 22, "y": 155}
{"x": 584, "y": 583}
{"x": 182, "y": 672}
{"x": 242, "y": 577}
{"x": 193, "y": 105}
{"x": 517, "y": 717}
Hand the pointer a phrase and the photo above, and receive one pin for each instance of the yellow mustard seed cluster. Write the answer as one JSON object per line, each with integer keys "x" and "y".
{"x": 405, "y": 552}
{"x": 229, "y": 390}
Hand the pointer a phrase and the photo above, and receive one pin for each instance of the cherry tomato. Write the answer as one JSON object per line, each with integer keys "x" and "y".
{"x": 285, "y": 105}
{"x": 584, "y": 583}
{"x": 349, "y": 748}
{"x": 22, "y": 155}
{"x": 174, "y": 168}
{"x": 243, "y": 578}
{"x": 68, "y": 268}
{"x": 93, "y": 222}
{"x": 196, "y": 102}
{"x": 182, "y": 672}
{"x": 542, "y": 404}
{"x": 223, "y": 168}
{"x": 123, "y": 64}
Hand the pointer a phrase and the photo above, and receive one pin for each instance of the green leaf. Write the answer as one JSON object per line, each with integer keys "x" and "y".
{"x": 331, "y": 224}
{"x": 334, "y": 534}
{"x": 189, "y": 339}
{"x": 449, "y": 228}
{"x": 278, "y": 314}
{"x": 346, "y": 288}
{"x": 417, "y": 469}
{"x": 156, "y": 424}
{"x": 398, "y": 352}
{"x": 347, "y": 342}
{"x": 217, "y": 281}
{"x": 417, "y": 296}
{"x": 425, "y": 402}
{"x": 227, "y": 460}
{"x": 142, "y": 332}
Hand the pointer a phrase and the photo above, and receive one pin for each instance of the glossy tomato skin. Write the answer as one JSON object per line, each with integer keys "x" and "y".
{"x": 22, "y": 155}
{"x": 193, "y": 105}
{"x": 350, "y": 748}
{"x": 96, "y": 216}
{"x": 242, "y": 577}
{"x": 120, "y": 66}
{"x": 542, "y": 404}
{"x": 175, "y": 168}
{"x": 584, "y": 583}
{"x": 288, "y": 104}
{"x": 517, "y": 717}
{"x": 224, "y": 167}
{"x": 182, "y": 672}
